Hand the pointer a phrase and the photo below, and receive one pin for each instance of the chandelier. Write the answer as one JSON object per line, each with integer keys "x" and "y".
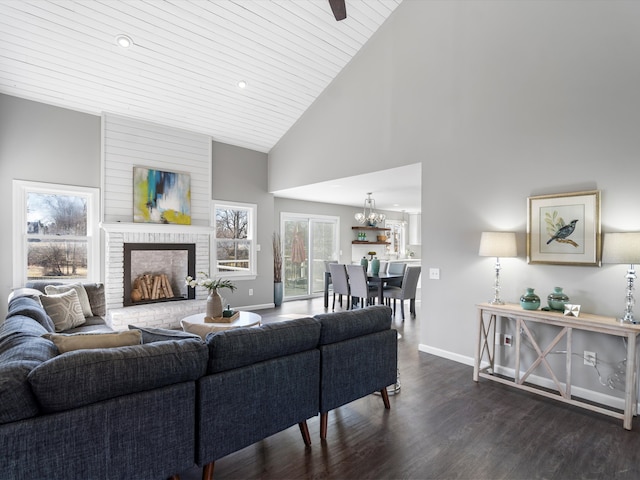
{"x": 369, "y": 216}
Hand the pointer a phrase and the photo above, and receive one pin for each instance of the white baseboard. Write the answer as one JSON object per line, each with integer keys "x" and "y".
{"x": 586, "y": 394}
{"x": 255, "y": 307}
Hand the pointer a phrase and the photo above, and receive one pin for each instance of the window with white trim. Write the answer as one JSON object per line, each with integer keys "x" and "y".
{"x": 234, "y": 252}
{"x": 56, "y": 232}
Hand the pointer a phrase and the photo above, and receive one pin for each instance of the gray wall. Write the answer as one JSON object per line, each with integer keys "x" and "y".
{"x": 499, "y": 101}
{"x": 240, "y": 175}
{"x": 41, "y": 143}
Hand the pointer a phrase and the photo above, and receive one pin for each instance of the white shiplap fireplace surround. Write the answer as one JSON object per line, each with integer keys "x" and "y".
{"x": 127, "y": 143}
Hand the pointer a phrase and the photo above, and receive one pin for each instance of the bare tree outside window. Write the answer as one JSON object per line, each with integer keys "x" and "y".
{"x": 56, "y": 236}
{"x": 232, "y": 245}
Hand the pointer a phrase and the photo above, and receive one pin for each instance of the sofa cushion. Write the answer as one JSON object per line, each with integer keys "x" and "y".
{"x": 91, "y": 324}
{"x": 67, "y": 342}
{"x": 151, "y": 334}
{"x": 64, "y": 309}
{"x": 340, "y": 326}
{"x": 83, "y": 377}
{"x": 82, "y": 295}
{"x": 245, "y": 346}
{"x": 22, "y": 348}
{"x": 31, "y": 307}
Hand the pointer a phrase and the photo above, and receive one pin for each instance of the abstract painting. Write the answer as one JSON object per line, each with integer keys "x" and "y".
{"x": 161, "y": 197}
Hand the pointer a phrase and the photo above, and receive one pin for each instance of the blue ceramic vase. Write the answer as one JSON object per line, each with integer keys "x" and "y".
{"x": 529, "y": 300}
{"x": 557, "y": 299}
{"x": 375, "y": 266}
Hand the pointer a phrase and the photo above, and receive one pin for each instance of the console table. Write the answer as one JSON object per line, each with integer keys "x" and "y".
{"x": 487, "y": 318}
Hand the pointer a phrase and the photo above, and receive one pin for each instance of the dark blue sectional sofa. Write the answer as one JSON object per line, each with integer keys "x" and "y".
{"x": 151, "y": 410}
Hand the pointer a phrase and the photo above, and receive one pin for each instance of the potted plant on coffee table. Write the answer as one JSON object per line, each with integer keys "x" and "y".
{"x": 214, "y": 301}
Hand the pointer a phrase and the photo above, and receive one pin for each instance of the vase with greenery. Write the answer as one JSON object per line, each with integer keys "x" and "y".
{"x": 277, "y": 269}
{"x": 214, "y": 301}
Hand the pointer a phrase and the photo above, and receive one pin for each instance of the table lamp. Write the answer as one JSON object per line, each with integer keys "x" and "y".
{"x": 624, "y": 248}
{"x": 497, "y": 244}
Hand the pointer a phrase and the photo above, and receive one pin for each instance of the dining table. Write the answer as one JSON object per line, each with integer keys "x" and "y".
{"x": 379, "y": 279}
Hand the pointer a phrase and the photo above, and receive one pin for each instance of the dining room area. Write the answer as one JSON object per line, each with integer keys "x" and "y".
{"x": 356, "y": 285}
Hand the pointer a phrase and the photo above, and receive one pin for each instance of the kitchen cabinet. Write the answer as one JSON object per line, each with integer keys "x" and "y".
{"x": 415, "y": 229}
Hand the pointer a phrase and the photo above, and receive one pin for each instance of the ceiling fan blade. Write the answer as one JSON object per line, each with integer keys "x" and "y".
{"x": 339, "y": 9}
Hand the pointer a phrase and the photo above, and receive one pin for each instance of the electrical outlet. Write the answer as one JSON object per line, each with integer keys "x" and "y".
{"x": 434, "y": 273}
{"x": 589, "y": 358}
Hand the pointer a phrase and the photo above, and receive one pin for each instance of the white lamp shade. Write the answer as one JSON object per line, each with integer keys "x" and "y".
{"x": 498, "y": 244}
{"x": 621, "y": 248}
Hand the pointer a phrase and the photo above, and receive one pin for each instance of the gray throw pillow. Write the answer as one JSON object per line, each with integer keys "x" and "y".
{"x": 82, "y": 295}
{"x": 64, "y": 309}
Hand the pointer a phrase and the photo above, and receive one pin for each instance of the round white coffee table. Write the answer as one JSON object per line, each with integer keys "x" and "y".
{"x": 195, "y": 323}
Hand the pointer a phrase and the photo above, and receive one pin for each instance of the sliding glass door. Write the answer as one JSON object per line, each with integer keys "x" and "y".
{"x": 308, "y": 241}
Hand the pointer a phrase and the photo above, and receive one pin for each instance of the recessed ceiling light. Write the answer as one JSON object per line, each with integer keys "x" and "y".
{"x": 123, "y": 41}
{"x": 242, "y": 84}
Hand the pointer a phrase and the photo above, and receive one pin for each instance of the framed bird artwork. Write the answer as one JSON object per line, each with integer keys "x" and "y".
{"x": 564, "y": 229}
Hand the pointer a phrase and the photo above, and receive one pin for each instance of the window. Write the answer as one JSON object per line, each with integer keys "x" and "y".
{"x": 235, "y": 249}
{"x": 56, "y": 232}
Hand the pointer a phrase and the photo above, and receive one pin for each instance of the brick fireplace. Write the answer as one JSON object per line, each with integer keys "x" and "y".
{"x": 164, "y": 314}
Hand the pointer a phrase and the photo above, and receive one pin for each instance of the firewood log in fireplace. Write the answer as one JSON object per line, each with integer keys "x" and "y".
{"x": 151, "y": 287}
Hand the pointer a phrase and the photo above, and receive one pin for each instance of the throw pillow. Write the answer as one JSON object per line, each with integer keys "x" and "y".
{"x": 64, "y": 309}
{"x": 67, "y": 342}
{"x": 201, "y": 329}
{"x": 79, "y": 288}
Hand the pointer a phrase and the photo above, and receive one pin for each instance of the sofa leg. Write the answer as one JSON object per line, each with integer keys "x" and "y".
{"x": 304, "y": 430}
{"x": 324, "y": 417}
{"x": 385, "y": 398}
{"x": 207, "y": 471}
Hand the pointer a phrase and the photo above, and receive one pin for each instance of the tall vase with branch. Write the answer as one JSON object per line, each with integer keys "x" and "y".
{"x": 277, "y": 269}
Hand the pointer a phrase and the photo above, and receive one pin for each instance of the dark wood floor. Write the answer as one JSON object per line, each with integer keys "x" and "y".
{"x": 441, "y": 425}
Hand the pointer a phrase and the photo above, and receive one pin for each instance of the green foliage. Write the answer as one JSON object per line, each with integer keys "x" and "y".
{"x": 209, "y": 283}
{"x": 553, "y": 222}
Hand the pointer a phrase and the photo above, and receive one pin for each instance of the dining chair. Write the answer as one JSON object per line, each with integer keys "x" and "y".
{"x": 383, "y": 266}
{"x": 340, "y": 283}
{"x": 397, "y": 268}
{"x": 359, "y": 285}
{"x": 406, "y": 292}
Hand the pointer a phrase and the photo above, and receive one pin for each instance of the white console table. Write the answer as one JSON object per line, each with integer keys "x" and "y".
{"x": 485, "y": 348}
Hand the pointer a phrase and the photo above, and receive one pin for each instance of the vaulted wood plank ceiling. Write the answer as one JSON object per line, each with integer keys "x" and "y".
{"x": 186, "y": 59}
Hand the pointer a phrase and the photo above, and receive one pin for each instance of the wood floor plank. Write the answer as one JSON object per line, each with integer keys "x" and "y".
{"x": 441, "y": 425}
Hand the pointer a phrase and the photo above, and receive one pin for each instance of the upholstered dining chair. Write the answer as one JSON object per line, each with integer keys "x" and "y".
{"x": 406, "y": 292}
{"x": 396, "y": 268}
{"x": 359, "y": 285}
{"x": 383, "y": 266}
{"x": 340, "y": 283}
